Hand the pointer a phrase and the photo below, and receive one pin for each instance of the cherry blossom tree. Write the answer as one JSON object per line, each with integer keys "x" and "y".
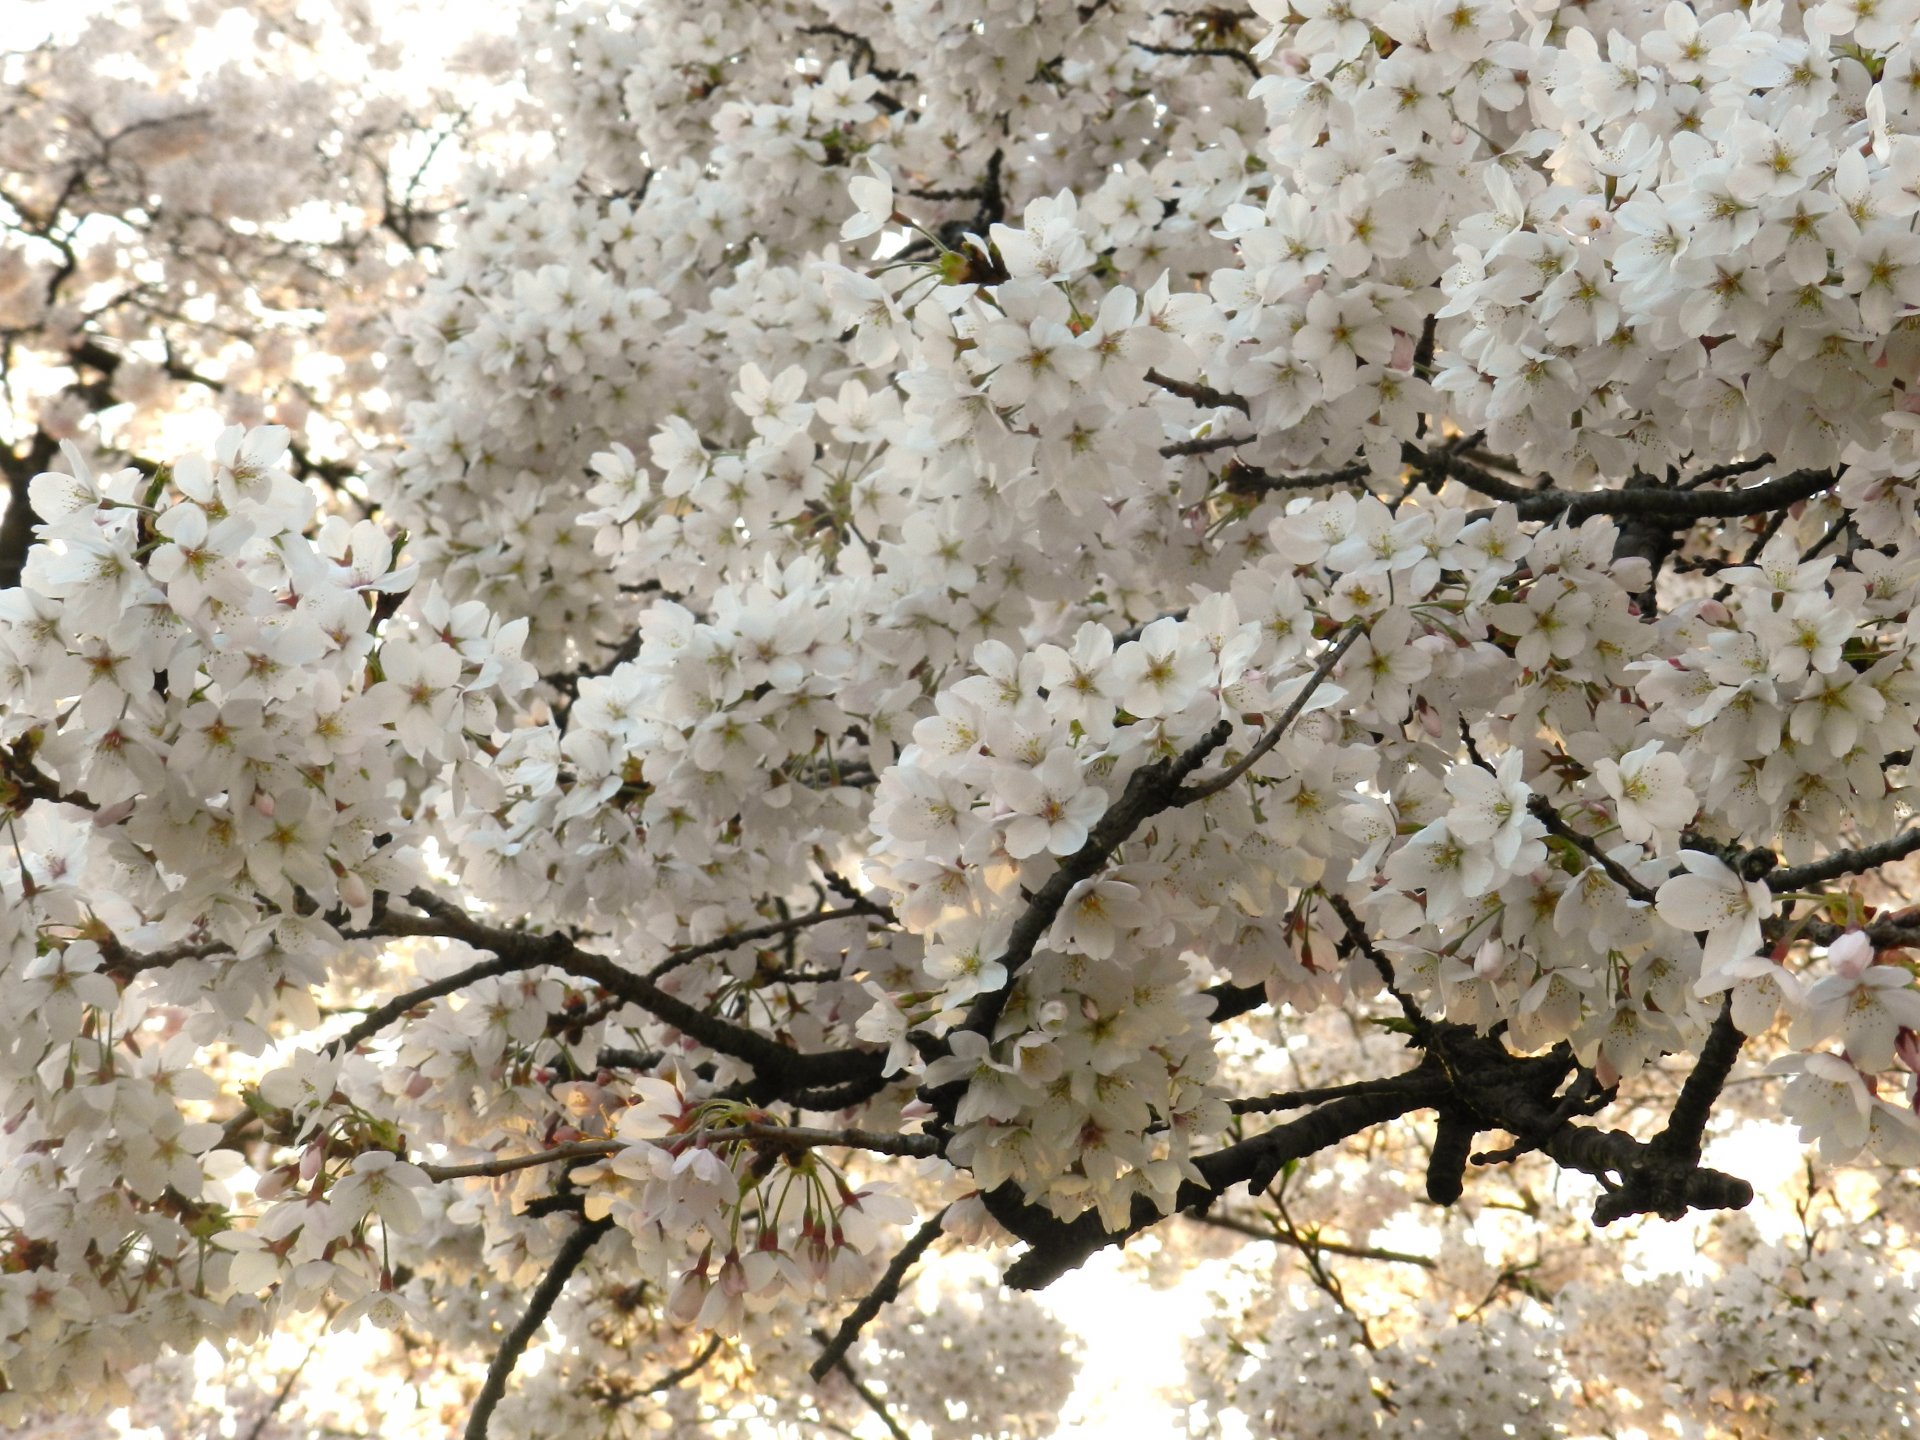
{"x": 948, "y": 638}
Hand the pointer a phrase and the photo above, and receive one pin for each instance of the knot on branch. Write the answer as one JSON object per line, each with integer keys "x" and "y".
{"x": 1670, "y": 1190}
{"x": 1452, "y": 1145}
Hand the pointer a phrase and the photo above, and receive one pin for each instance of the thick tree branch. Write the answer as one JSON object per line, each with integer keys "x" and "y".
{"x": 1678, "y": 1144}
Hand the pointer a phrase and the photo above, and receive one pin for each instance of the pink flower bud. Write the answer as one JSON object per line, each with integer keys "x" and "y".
{"x": 1906, "y": 1049}
{"x": 688, "y": 1295}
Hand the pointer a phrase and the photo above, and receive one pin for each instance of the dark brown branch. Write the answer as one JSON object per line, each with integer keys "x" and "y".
{"x": 862, "y": 51}
{"x": 378, "y": 1019}
{"x": 508, "y": 1164}
{"x": 1201, "y": 790}
{"x": 775, "y": 1139}
{"x": 1542, "y": 810}
{"x": 1678, "y": 1144}
{"x": 123, "y": 962}
{"x": 872, "y": 1401}
{"x": 1151, "y": 789}
{"x": 16, "y": 530}
{"x": 1198, "y": 393}
{"x": 1214, "y": 52}
{"x": 687, "y": 1371}
{"x": 1251, "y": 480}
{"x": 1057, "y": 1246}
{"x": 776, "y": 1067}
{"x": 1677, "y": 506}
{"x": 572, "y": 1251}
{"x": 1358, "y": 938}
{"x": 1206, "y": 445}
{"x": 1727, "y": 472}
{"x": 1477, "y": 1084}
{"x": 1846, "y": 862}
{"x": 1650, "y": 503}
{"x": 737, "y": 938}
{"x": 877, "y": 1299}
{"x": 1300, "y": 1099}
{"x": 1231, "y": 1001}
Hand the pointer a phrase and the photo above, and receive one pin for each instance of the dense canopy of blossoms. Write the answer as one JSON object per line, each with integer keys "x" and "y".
{"x": 957, "y": 581}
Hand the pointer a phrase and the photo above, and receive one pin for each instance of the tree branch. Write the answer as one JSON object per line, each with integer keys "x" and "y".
{"x": 1216, "y": 52}
{"x": 879, "y": 1297}
{"x": 539, "y": 1306}
{"x": 1198, "y": 393}
{"x": 507, "y": 1164}
{"x": 1314, "y": 1241}
{"x": 872, "y": 1401}
{"x": 1542, "y": 810}
{"x": 793, "y": 1138}
{"x": 1057, "y": 1246}
{"x": 776, "y": 1067}
{"x": 1846, "y": 862}
{"x": 734, "y": 939}
{"x": 1151, "y": 789}
{"x": 1203, "y": 789}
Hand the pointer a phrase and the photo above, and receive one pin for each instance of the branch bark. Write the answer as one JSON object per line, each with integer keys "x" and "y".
{"x": 539, "y": 1306}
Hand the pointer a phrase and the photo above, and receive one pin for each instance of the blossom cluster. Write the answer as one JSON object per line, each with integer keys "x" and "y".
{"x": 999, "y": 554}
{"x": 208, "y": 720}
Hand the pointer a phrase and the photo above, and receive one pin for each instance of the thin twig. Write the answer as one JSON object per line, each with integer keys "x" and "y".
{"x": 1542, "y": 810}
{"x": 1199, "y": 393}
{"x": 1210, "y": 52}
{"x": 280, "y": 1398}
{"x": 507, "y": 1164}
{"x": 1300, "y": 1099}
{"x": 1202, "y": 789}
{"x": 738, "y": 938}
{"x": 687, "y": 1371}
{"x": 865, "y": 1392}
{"x": 1331, "y": 1247}
{"x": 1205, "y": 445}
{"x": 785, "y": 1137}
